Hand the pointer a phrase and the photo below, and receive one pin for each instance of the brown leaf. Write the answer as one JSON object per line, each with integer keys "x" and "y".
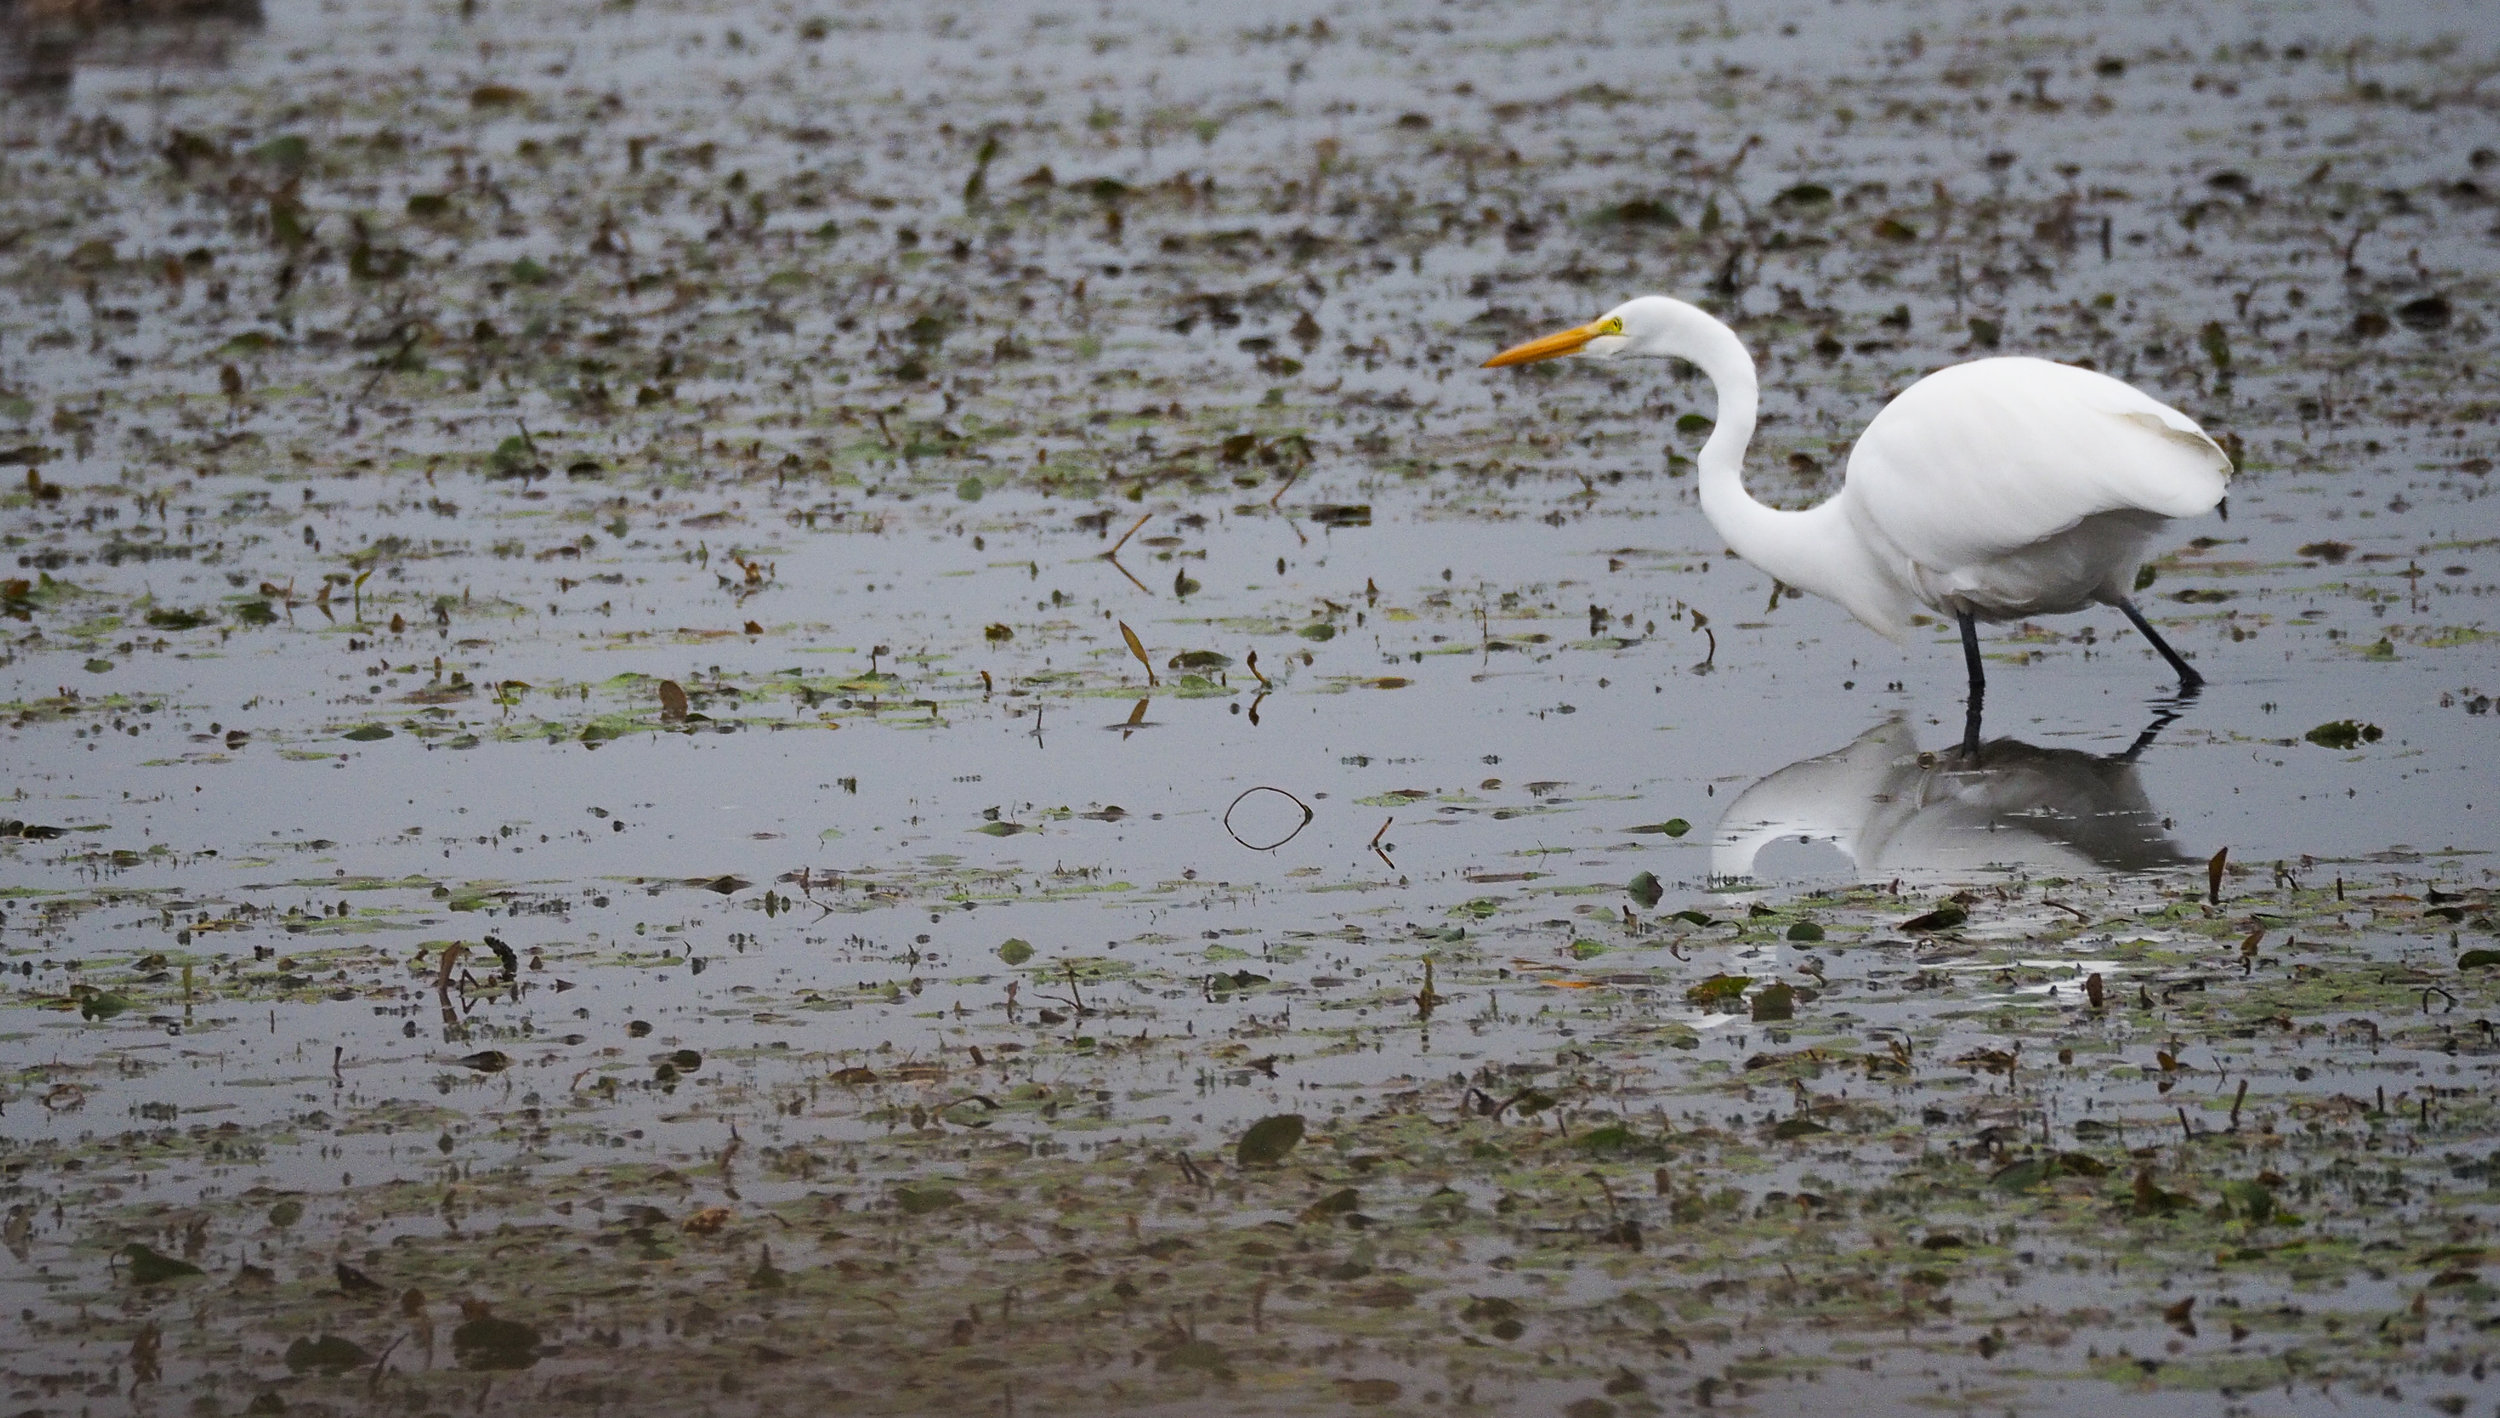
{"x": 1137, "y": 647}
{"x": 672, "y": 701}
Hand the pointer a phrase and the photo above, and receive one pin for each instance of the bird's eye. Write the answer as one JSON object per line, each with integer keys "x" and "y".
{"x": 1611, "y": 325}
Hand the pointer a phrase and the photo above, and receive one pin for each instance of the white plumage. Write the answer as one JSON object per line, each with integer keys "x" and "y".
{"x": 1987, "y": 491}
{"x": 2020, "y": 487}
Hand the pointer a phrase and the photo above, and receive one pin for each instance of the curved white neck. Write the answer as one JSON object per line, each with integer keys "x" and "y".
{"x": 1766, "y": 536}
{"x": 1821, "y": 549}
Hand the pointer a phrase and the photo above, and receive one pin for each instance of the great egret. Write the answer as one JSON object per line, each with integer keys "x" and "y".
{"x": 1993, "y": 490}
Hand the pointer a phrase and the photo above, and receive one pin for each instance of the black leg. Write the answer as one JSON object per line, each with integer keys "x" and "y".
{"x": 1978, "y": 687}
{"x": 2188, "y": 677}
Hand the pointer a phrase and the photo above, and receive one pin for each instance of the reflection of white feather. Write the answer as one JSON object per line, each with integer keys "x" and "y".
{"x": 1895, "y": 813}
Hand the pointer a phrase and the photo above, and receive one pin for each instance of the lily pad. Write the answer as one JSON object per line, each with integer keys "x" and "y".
{"x": 1269, "y": 1139}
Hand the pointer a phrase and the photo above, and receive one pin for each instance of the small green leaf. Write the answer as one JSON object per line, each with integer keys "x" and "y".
{"x": 1774, "y": 1002}
{"x": 1015, "y": 951}
{"x": 920, "y": 1201}
{"x": 1645, "y": 889}
{"x": 2478, "y": 959}
{"x": 1269, "y": 1139}
{"x": 1718, "y": 990}
{"x": 102, "y": 1004}
{"x": 366, "y": 733}
{"x": 2344, "y": 734}
{"x": 147, "y": 1267}
{"x": 1805, "y": 931}
{"x": 286, "y": 1213}
{"x": 1672, "y": 827}
{"x": 2022, "y": 1176}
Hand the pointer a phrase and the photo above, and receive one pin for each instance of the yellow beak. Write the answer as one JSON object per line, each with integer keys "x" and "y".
{"x": 1554, "y": 346}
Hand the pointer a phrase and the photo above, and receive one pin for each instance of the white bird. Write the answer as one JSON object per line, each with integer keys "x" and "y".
{"x": 1994, "y": 490}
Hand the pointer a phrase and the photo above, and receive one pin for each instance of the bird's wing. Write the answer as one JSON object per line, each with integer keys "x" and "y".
{"x": 1981, "y": 460}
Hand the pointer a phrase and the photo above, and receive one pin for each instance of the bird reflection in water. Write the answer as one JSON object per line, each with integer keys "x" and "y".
{"x": 1895, "y": 811}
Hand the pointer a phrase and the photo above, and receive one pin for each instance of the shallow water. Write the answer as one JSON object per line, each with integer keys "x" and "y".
{"x": 570, "y": 675}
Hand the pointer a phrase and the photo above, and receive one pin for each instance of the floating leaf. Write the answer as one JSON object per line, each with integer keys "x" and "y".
{"x": 1000, "y": 829}
{"x": 2478, "y": 959}
{"x": 1773, "y": 1002}
{"x": 1269, "y": 1139}
{"x": 1943, "y": 918}
{"x": 286, "y": 1213}
{"x": 1794, "y": 1128}
{"x": 489, "y": 1343}
{"x": 1806, "y": 931}
{"x": 1672, "y": 827}
{"x": 2425, "y": 313}
{"x": 1642, "y": 211}
{"x": 1644, "y": 888}
{"x": 101, "y": 1004}
{"x": 1336, "y": 1203}
{"x": 2344, "y": 734}
{"x": 1016, "y": 951}
{"x": 672, "y": 701}
{"x": 366, "y": 733}
{"x": 330, "y": 1354}
{"x": 147, "y": 1267}
{"x": 1203, "y": 1355}
{"x": 920, "y": 1201}
{"x": 1718, "y": 990}
{"x": 1137, "y": 647}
